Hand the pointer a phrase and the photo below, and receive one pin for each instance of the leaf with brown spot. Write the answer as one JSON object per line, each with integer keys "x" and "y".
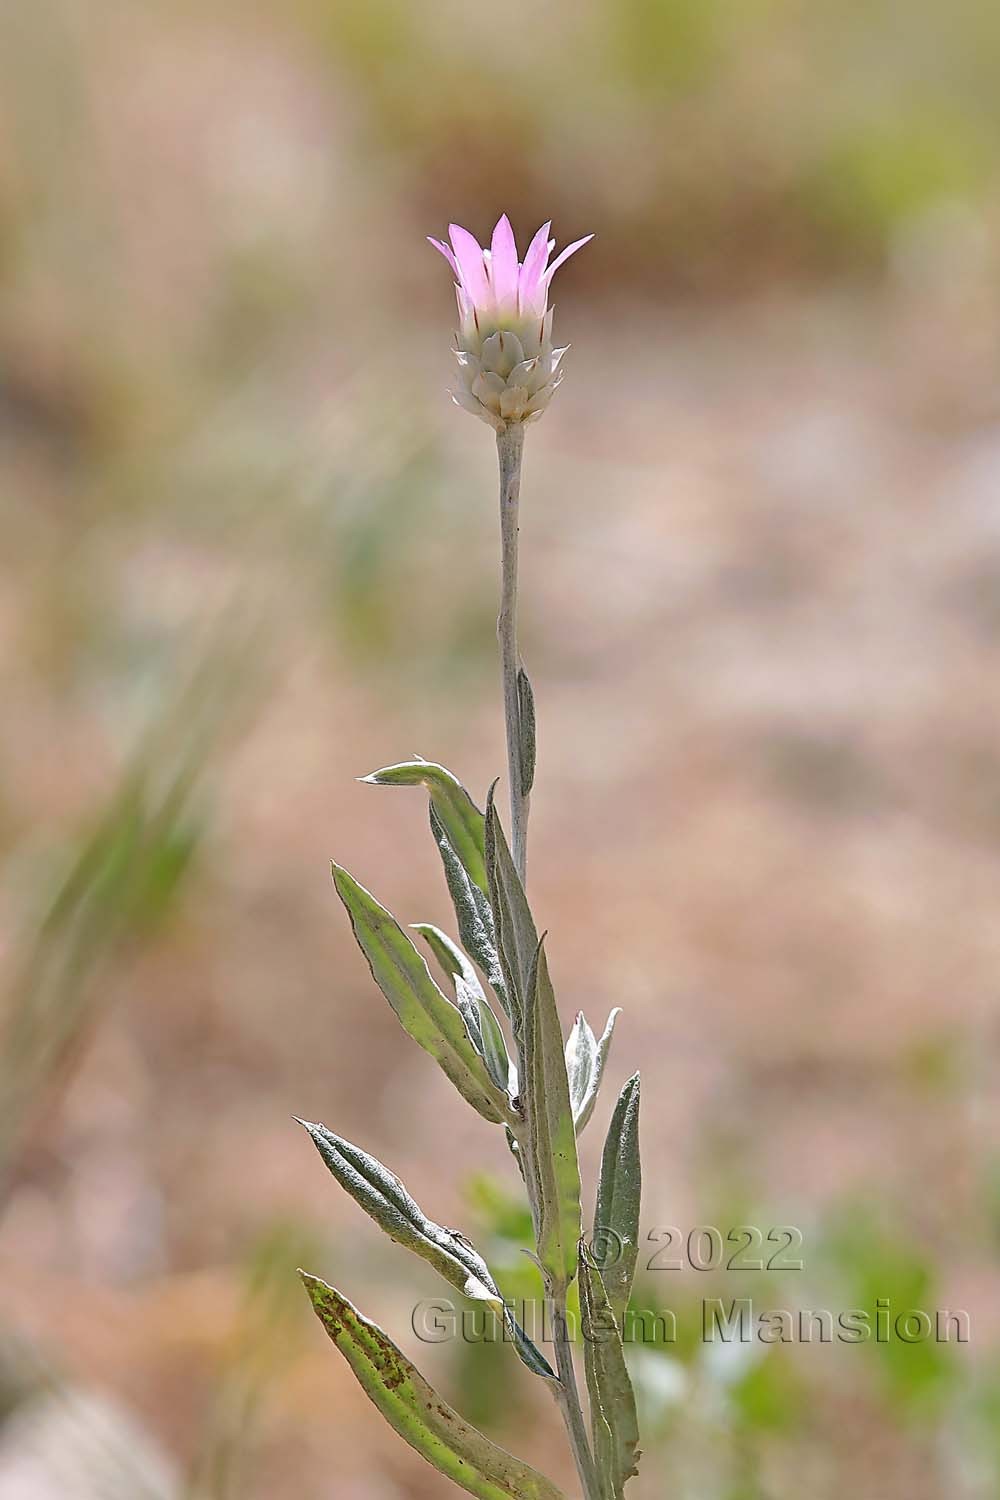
{"x": 432, "y": 1428}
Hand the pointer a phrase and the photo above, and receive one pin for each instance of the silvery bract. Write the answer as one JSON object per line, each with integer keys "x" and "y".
{"x": 494, "y": 1028}
{"x": 508, "y": 367}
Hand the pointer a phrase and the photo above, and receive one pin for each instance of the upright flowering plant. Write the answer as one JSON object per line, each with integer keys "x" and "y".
{"x": 518, "y": 1073}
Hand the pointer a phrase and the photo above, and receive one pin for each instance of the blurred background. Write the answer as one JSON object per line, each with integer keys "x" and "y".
{"x": 249, "y": 554}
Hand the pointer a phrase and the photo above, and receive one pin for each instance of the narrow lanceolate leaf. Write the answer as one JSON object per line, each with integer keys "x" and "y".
{"x": 427, "y": 1014}
{"x": 448, "y": 954}
{"x": 416, "y": 1411}
{"x": 614, "y": 1424}
{"x": 479, "y": 1016}
{"x": 553, "y": 1137}
{"x": 458, "y": 814}
{"x": 491, "y": 1044}
{"x": 469, "y": 1011}
{"x": 585, "y": 1060}
{"x": 476, "y": 926}
{"x": 384, "y": 1198}
{"x": 526, "y": 730}
{"x": 616, "y": 1219}
{"x": 581, "y": 1056}
{"x": 517, "y": 939}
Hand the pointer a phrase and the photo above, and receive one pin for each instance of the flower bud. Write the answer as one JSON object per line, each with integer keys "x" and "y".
{"x": 508, "y": 368}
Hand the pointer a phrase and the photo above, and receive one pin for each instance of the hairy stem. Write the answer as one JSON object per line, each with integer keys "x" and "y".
{"x": 568, "y": 1398}
{"x": 510, "y": 445}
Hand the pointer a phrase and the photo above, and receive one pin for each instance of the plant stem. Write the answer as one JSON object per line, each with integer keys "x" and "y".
{"x": 568, "y": 1397}
{"x": 510, "y": 445}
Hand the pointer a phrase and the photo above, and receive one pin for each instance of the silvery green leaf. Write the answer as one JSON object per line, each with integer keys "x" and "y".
{"x": 525, "y": 1349}
{"x": 457, "y": 813}
{"x": 515, "y": 1149}
{"x": 581, "y": 1057}
{"x": 480, "y": 1018}
{"x": 526, "y": 730}
{"x": 448, "y": 954}
{"x": 614, "y": 1424}
{"x": 616, "y": 1219}
{"x": 384, "y": 1198}
{"x": 469, "y": 1011}
{"x": 427, "y": 1014}
{"x": 585, "y": 1061}
{"x": 552, "y": 1142}
{"x": 517, "y": 939}
{"x": 474, "y": 913}
{"x": 528, "y": 1353}
{"x": 492, "y": 1045}
{"x": 415, "y": 1410}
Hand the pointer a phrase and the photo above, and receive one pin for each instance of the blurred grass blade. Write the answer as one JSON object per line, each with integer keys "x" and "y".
{"x": 526, "y": 727}
{"x": 425, "y": 1013}
{"x": 553, "y": 1137}
{"x": 517, "y": 939}
{"x": 123, "y": 881}
{"x": 614, "y": 1424}
{"x": 586, "y": 1070}
{"x": 384, "y": 1198}
{"x": 474, "y": 914}
{"x": 415, "y": 1410}
{"x": 616, "y": 1217}
{"x": 457, "y": 813}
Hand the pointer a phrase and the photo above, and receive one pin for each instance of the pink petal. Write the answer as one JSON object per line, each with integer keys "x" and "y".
{"x": 466, "y": 309}
{"x": 534, "y": 265}
{"x": 469, "y": 255}
{"x": 503, "y": 252}
{"x": 446, "y": 252}
{"x": 570, "y": 250}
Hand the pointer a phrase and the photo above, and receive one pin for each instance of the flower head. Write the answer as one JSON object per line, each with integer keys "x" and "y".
{"x": 508, "y": 367}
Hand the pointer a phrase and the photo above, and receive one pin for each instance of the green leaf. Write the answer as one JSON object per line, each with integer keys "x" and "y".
{"x": 457, "y": 813}
{"x": 427, "y": 1014}
{"x": 517, "y": 939}
{"x": 585, "y": 1061}
{"x": 416, "y": 1411}
{"x": 384, "y": 1198}
{"x": 552, "y": 1141}
{"x": 581, "y": 1054}
{"x": 614, "y": 1424}
{"x": 476, "y": 926}
{"x": 526, "y": 730}
{"x": 448, "y": 954}
{"x": 616, "y": 1218}
{"x": 479, "y": 1016}
{"x": 486, "y": 1033}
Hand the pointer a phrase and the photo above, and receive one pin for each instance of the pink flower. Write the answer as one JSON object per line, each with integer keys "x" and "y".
{"x": 508, "y": 367}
